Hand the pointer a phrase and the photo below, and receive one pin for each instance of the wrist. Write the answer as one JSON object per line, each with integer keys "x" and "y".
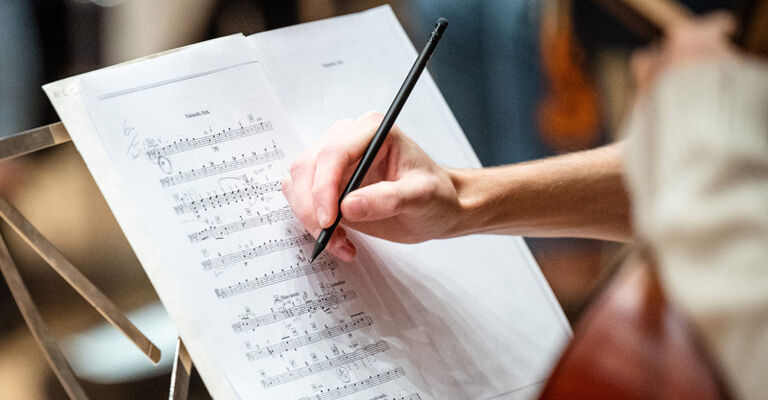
{"x": 472, "y": 215}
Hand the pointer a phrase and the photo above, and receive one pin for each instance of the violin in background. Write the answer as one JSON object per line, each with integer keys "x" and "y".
{"x": 632, "y": 342}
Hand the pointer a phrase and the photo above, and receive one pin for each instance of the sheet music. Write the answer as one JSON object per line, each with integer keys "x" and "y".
{"x": 188, "y": 149}
{"x": 198, "y": 143}
{"x": 494, "y": 327}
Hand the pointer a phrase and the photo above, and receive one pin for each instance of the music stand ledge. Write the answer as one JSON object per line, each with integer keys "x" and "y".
{"x": 29, "y": 142}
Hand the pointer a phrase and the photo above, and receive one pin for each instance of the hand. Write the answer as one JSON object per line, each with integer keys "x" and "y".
{"x": 405, "y": 197}
{"x": 696, "y": 40}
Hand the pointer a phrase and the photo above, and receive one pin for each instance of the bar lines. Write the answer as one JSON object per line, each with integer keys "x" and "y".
{"x": 248, "y": 223}
{"x": 227, "y": 198}
{"x": 326, "y": 301}
{"x": 352, "y": 388}
{"x": 183, "y": 145}
{"x": 275, "y": 277}
{"x": 353, "y": 325}
{"x": 321, "y": 366}
{"x": 224, "y": 166}
{"x": 271, "y": 246}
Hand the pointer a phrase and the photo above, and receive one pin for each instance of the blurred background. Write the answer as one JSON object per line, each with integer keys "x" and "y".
{"x": 514, "y": 101}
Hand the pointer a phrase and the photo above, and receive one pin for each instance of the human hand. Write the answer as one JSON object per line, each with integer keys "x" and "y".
{"x": 691, "y": 41}
{"x": 405, "y": 197}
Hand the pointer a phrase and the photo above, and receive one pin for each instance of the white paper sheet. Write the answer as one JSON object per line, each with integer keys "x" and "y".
{"x": 186, "y": 149}
{"x": 496, "y": 306}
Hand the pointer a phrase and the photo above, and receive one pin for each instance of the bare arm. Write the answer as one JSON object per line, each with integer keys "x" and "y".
{"x": 576, "y": 195}
{"x": 408, "y": 198}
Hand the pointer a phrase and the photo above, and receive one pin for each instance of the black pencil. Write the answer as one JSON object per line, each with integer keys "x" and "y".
{"x": 386, "y": 124}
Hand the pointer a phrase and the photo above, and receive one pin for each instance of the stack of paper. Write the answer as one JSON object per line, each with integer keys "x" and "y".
{"x": 189, "y": 148}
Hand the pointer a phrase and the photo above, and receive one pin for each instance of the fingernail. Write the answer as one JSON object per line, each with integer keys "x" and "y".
{"x": 357, "y": 207}
{"x": 322, "y": 217}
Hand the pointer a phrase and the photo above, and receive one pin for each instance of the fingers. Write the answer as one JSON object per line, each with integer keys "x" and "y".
{"x": 339, "y": 245}
{"x": 331, "y": 164}
{"x": 313, "y": 185}
{"x": 387, "y": 199}
{"x": 296, "y": 189}
{"x": 337, "y": 152}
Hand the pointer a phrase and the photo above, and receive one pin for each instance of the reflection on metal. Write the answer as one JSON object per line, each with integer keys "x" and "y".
{"x": 17, "y": 145}
{"x": 182, "y": 370}
{"x": 76, "y": 279}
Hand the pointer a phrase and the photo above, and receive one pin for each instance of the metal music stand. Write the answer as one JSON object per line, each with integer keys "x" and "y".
{"x": 27, "y": 142}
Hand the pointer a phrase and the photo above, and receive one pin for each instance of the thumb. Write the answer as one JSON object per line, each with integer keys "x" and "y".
{"x": 384, "y": 199}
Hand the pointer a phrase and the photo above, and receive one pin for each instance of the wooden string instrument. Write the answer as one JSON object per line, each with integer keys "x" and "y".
{"x": 632, "y": 343}
{"x": 568, "y": 117}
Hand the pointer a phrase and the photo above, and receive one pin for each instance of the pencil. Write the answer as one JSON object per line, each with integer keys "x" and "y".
{"x": 386, "y": 125}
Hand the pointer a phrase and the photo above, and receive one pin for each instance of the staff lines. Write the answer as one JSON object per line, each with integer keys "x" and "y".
{"x": 272, "y": 278}
{"x": 334, "y": 331}
{"x": 352, "y": 388}
{"x": 223, "y": 167}
{"x": 271, "y": 246}
{"x": 281, "y": 214}
{"x": 180, "y": 146}
{"x": 311, "y": 369}
{"x": 227, "y": 198}
{"x": 326, "y": 301}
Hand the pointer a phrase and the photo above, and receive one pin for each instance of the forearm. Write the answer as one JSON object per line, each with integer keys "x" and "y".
{"x": 574, "y": 195}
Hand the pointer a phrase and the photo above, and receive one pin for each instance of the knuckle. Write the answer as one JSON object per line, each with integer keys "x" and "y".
{"x": 340, "y": 125}
{"x": 370, "y": 121}
{"x": 296, "y": 166}
{"x": 306, "y": 216}
{"x": 328, "y": 154}
{"x": 371, "y": 117}
{"x": 318, "y": 193}
{"x": 332, "y": 159}
{"x": 285, "y": 185}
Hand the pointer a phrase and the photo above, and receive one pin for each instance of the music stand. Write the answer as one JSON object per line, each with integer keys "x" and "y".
{"x": 28, "y": 142}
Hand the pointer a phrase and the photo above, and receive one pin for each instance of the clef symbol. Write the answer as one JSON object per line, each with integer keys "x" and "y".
{"x": 165, "y": 164}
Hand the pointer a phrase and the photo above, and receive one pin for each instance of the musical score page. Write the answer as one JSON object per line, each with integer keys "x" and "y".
{"x": 494, "y": 326}
{"x": 198, "y": 143}
{"x": 189, "y": 148}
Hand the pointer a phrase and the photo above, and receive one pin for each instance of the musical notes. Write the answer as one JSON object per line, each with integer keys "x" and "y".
{"x": 321, "y": 366}
{"x": 223, "y": 167}
{"x": 260, "y": 250}
{"x": 352, "y": 388}
{"x": 330, "y": 300}
{"x": 356, "y": 323}
{"x": 247, "y": 223}
{"x": 226, "y": 198}
{"x": 180, "y": 146}
{"x": 192, "y": 154}
{"x": 323, "y": 264}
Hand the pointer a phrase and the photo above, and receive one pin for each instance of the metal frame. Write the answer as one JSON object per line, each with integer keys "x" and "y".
{"x": 28, "y": 142}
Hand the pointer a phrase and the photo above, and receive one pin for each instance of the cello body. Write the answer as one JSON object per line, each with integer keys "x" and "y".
{"x": 633, "y": 344}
